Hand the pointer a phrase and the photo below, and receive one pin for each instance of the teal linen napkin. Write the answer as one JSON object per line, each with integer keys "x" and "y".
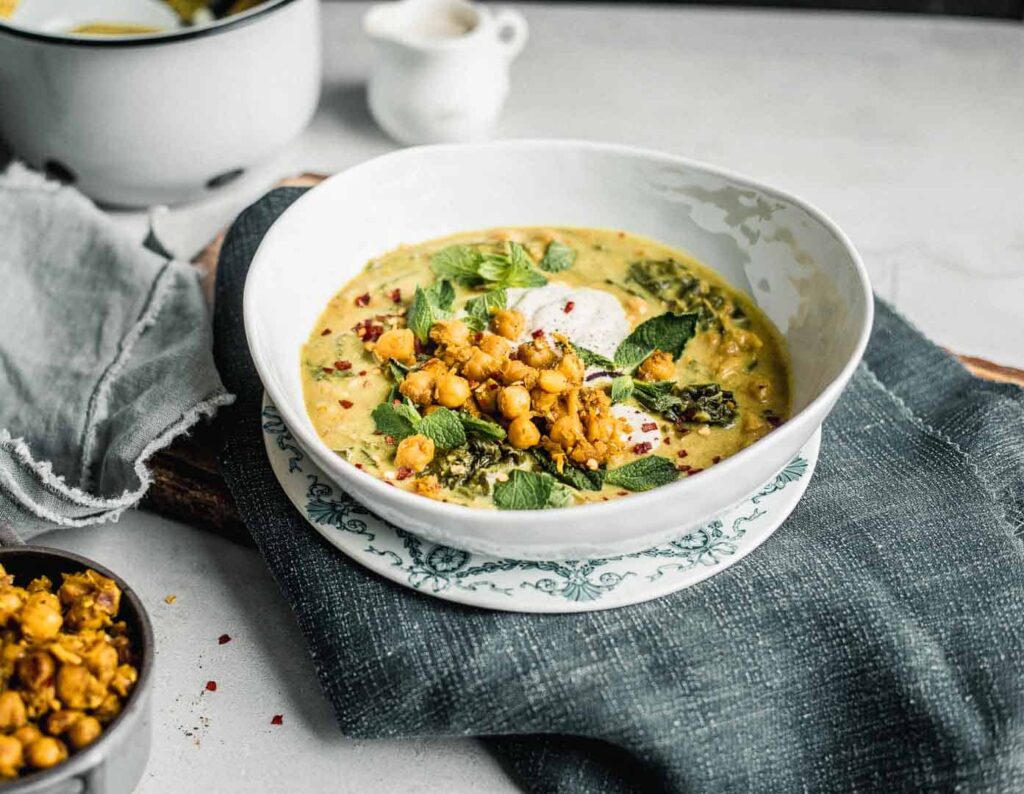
{"x": 105, "y": 357}
{"x": 874, "y": 643}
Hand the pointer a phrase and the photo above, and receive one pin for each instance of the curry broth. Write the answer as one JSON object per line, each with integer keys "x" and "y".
{"x": 343, "y": 382}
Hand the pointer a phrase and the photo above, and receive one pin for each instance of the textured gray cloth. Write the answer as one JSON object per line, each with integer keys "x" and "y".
{"x": 874, "y": 643}
{"x": 105, "y": 357}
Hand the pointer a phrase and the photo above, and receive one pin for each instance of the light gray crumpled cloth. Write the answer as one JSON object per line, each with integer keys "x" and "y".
{"x": 105, "y": 357}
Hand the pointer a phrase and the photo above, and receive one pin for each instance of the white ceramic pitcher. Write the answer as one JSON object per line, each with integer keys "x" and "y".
{"x": 441, "y": 70}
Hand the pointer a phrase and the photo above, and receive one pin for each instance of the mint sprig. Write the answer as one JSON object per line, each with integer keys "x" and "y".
{"x": 474, "y": 425}
{"x": 428, "y": 306}
{"x": 622, "y": 388}
{"x": 530, "y": 490}
{"x": 472, "y": 267}
{"x": 478, "y": 309}
{"x": 400, "y": 420}
{"x": 667, "y": 332}
{"x": 557, "y": 257}
{"x": 643, "y": 474}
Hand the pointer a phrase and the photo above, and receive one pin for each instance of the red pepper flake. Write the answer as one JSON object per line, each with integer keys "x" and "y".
{"x": 642, "y": 447}
{"x": 343, "y": 365}
{"x": 682, "y": 453}
{"x": 327, "y": 370}
{"x": 647, "y": 427}
{"x": 325, "y": 332}
{"x": 362, "y": 372}
{"x": 623, "y": 493}
{"x": 223, "y": 639}
{"x": 368, "y": 330}
{"x": 396, "y": 295}
{"x": 211, "y": 686}
{"x": 403, "y": 473}
{"x": 346, "y": 404}
{"x": 716, "y": 459}
{"x": 682, "y": 467}
{"x": 569, "y": 306}
{"x": 359, "y": 465}
{"x": 277, "y": 719}
{"x": 695, "y": 471}
{"x": 478, "y": 337}
{"x": 389, "y": 439}
{"x": 363, "y": 300}
{"x": 538, "y": 333}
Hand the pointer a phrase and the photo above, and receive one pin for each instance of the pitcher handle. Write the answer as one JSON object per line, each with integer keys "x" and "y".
{"x": 512, "y": 30}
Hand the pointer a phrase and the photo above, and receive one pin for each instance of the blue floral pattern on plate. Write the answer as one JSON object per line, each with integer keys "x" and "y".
{"x": 528, "y": 585}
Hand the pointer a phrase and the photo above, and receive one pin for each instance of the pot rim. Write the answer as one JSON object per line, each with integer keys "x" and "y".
{"x": 79, "y": 763}
{"x": 146, "y": 39}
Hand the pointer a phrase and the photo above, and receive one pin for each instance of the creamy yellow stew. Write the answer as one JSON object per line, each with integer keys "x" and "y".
{"x": 526, "y": 368}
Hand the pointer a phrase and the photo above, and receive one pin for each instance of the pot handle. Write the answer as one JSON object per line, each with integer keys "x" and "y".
{"x": 93, "y": 781}
{"x": 512, "y": 31}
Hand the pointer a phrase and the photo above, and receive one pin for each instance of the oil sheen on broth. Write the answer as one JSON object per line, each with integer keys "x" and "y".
{"x": 541, "y": 367}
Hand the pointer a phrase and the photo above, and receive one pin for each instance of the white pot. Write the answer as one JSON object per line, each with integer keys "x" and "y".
{"x": 160, "y": 118}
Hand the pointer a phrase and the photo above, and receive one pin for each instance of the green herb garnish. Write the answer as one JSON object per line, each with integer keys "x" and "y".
{"x": 683, "y": 291}
{"x": 467, "y": 467}
{"x": 471, "y": 267}
{"x": 592, "y": 359}
{"x": 578, "y": 477}
{"x": 557, "y": 258}
{"x": 478, "y": 309}
{"x": 396, "y": 419}
{"x": 701, "y": 403}
{"x": 622, "y": 388}
{"x": 643, "y": 474}
{"x": 667, "y": 332}
{"x": 428, "y": 306}
{"x": 530, "y": 490}
{"x": 481, "y": 427}
{"x": 444, "y": 428}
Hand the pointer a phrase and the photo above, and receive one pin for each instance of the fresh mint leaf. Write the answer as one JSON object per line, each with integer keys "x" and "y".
{"x": 560, "y": 496}
{"x": 525, "y": 490}
{"x": 557, "y": 258}
{"x": 643, "y": 474}
{"x": 592, "y": 359}
{"x": 622, "y": 388}
{"x": 521, "y": 272}
{"x": 428, "y": 306}
{"x": 481, "y": 427}
{"x": 460, "y": 263}
{"x": 478, "y": 309}
{"x": 579, "y": 478}
{"x": 397, "y": 421}
{"x": 444, "y": 428}
{"x": 667, "y": 332}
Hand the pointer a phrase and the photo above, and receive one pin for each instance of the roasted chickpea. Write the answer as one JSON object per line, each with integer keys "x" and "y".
{"x": 523, "y": 433}
{"x": 600, "y": 428}
{"x": 108, "y": 709}
{"x": 77, "y": 688}
{"x": 414, "y": 452}
{"x": 552, "y": 382}
{"x": 452, "y": 391}
{"x": 84, "y": 732}
{"x": 36, "y": 670}
{"x": 60, "y": 721}
{"x": 486, "y": 395}
{"x": 40, "y": 617}
{"x": 27, "y": 734}
{"x": 451, "y": 333}
{"x": 657, "y": 366}
{"x": 12, "y": 757}
{"x": 566, "y": 431}
{"x": 12, "y": 710}
{"x": 572, "y": 367}
{"x": 514, "y": 401}
{"x": 418, "y": 386}
{"x": 429, "y": 487}
{"x": 45, "y": 752}
{"x": 480, "y": 366}
{"x": 543, "y": 402}
{"x": 508, "y": 323}
{"x": 10, "y": 603}
{"x": 494, "y": 345}
{"x": 101, "y": 660}
{"x": 399, "y": 344}
{"x": 513, "y": 371}
{"x": 537, "y": 353}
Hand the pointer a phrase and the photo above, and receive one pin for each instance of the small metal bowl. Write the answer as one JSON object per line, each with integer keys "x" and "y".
{"x": 114, "y": 763}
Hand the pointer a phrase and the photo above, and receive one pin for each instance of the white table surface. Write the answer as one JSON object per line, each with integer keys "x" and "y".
{"x": 908, "y": 131}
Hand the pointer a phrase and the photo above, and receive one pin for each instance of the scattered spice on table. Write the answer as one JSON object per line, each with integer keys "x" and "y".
{"x": 277, "y": 719}
{"x": 223, "y": 638}
{"x": 211, "y": 686}
{"x": 170, "y": 599}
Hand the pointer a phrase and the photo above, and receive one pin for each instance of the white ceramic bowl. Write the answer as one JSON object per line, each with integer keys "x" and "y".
{"x": 155, "y": 118}
{"x": 795, "y": 263}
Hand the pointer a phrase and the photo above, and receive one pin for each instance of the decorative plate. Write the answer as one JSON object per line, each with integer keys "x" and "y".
{"x": 530, "y": 586}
